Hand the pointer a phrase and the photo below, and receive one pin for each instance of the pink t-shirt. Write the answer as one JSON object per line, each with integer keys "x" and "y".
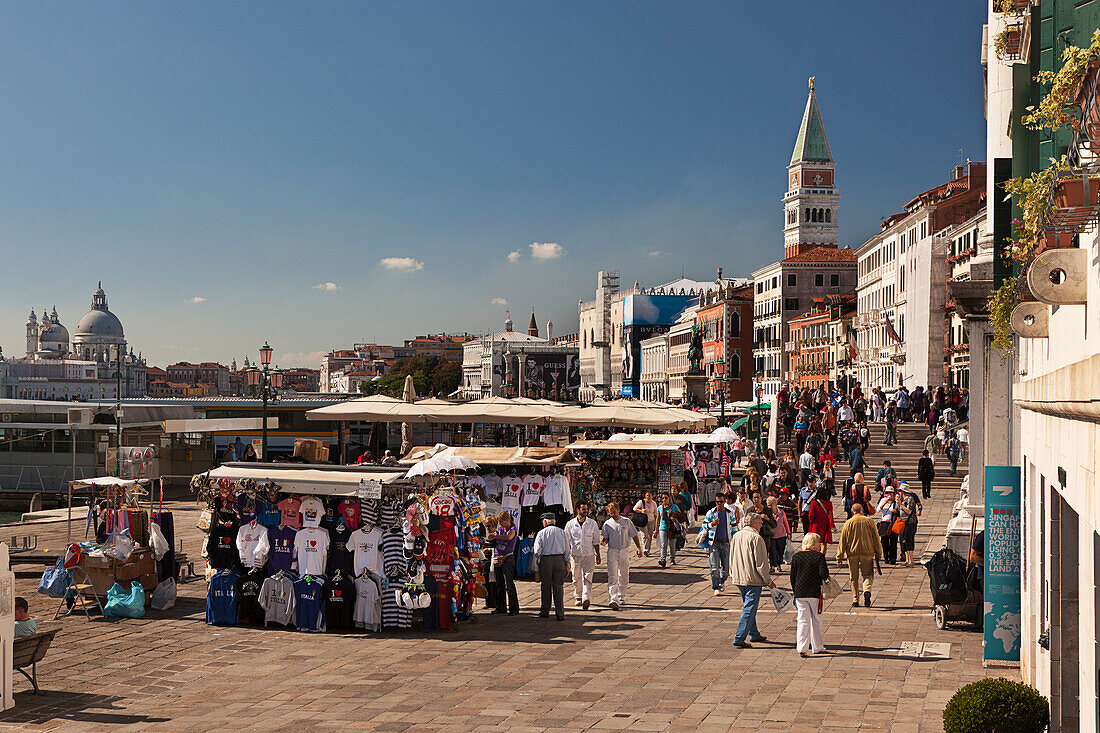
{"x": 290, "y": 512}
{"x": 349, "y": 510}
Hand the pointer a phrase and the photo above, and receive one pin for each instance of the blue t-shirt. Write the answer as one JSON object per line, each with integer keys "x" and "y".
{"x": 664, "y": 517}
{"x": 310, "y": 606}
{"x": 221, "y": 599}
{"x": 280, "y": 556}
{"x": 720, "y": 531}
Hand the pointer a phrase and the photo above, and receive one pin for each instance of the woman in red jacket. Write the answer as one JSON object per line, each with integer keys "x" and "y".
{"x": 821, "y": 517}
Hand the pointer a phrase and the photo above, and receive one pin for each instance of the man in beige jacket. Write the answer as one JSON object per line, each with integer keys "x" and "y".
{"x": 860, "y": 543}
{"x": 750, "y": 571}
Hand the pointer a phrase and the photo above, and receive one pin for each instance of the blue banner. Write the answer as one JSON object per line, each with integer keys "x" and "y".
{"x": 1002, "y": 555}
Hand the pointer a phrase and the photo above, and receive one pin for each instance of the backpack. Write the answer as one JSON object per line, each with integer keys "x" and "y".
{"x": 947, "y": 577}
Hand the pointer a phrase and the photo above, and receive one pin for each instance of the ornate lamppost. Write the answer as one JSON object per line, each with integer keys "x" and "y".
{"x": 268, "y": 381}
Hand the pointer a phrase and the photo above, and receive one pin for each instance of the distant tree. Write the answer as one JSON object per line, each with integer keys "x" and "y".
{"x": 431, "y": 375}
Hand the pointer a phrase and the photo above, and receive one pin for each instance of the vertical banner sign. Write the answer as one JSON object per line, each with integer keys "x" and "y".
{"x": 1002, "y": 555}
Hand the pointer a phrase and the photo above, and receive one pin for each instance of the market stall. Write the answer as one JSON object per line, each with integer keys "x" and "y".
{"x": 320, "y": 548}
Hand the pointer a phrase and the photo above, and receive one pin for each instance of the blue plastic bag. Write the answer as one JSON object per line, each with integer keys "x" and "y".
{"x": 55, "y": 581}
{"x": 125, "y": 604}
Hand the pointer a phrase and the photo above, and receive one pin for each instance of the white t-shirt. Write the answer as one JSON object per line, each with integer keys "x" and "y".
{"x": 312, "y": 510}
{"x": 367, "y": 548}
{"x": 311, "y": 550}
{"x": 963, "y": 435}
{"x": 513, "y": 489}
{"x": 368, "y": 607}
{"x": 532, "y": 489}
{"x": 493, "y": 486}
{"x": 619, "y": 533}
{"x": 252, "y": 544}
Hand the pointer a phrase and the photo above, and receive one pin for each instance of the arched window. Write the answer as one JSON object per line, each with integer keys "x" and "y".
{"x": 828, "y": 216}
{"x": 734, "y": 366}
{"x": 807, "y": 214}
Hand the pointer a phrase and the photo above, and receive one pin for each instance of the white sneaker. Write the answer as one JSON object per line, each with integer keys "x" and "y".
{"x": 718, "y": 592}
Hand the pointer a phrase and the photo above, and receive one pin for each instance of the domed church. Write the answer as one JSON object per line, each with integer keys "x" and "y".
{"x": 84, "y": 369}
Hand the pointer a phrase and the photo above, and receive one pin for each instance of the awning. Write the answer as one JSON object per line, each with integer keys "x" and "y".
{"x": 493, "y": 456}
{"x": 111, "y": 481}
{"x": 295, "y": 479}
{"x": 669, "y": 443}
{"x": 739, "y": 423}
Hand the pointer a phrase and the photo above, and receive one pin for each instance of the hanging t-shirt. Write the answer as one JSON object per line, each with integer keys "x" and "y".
{"x": 278, "y": 599}
{"x": 290, "y": 511}
{"x": 309, "y": 606}
{"x": 494, "y": 486}
{"x": 221, "y": 599}
{"x": 513, "y": 490}
{"x": 392, "y": 511}
{"x": 311, "y": 550}
{"x": 339, "y": 556}
{"x": 366, "y": 548}
{"x": 246, "y": 508}
{"x": 339, "y": 602}
{"x": 312, "y": 511}
{"x": 252, "y": 544}
{"x": 248, "y": 597}
{"x": 221, "y": 545}
{"x": 532, "y": 489}
{"x": 280, "y": 554}
{"x": 349, "y": 509}
{"x": 368, "y": 608}
{"x": 328, "y": 519}
{"x": 556, "y": 491}
{"x": 370, "y": 512}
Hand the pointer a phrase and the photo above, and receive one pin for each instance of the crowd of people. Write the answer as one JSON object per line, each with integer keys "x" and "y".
{"x": 748, "y": 533}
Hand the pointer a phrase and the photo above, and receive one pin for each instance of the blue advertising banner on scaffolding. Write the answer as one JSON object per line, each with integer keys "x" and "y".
{"x": 1002, "y": 555}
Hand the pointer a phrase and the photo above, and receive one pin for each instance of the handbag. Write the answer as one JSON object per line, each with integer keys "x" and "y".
{"x": 55, "y": 581}
{"x": 831, "y": 588}
{"x": 640, "y": 519}
{"x": 898, "y": 526}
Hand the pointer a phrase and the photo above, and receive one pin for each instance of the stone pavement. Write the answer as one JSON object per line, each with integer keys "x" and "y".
{"x": 663, "y": 663}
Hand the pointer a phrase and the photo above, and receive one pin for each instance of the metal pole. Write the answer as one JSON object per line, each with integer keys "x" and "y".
{"x": 263, "y": 394}
{"x": 118, "y": 408}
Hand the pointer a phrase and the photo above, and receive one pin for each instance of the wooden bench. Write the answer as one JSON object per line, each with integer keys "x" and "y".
{"x": 28, "y": 651}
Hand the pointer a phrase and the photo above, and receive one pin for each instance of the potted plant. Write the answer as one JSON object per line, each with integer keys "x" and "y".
{"x": 996, "y": 705}
{"x": 1006, "y": 44}
{"x": 1061, "y": 105}
{"x": 1013, "y": 7}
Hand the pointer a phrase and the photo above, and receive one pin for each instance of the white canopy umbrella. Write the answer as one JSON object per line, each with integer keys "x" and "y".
{"x": 441, "y": 464}
{"x": 724, "y": 435}
{"x": 612, "y": 414}
{"x": 376, "y": 408}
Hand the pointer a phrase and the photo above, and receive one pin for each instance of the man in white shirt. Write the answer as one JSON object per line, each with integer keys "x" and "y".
{"x": 618, "y": 532}
{"x": 845, "y": 413}
{"x": 964, "y": 441}
{"x": 584, "y": 552}
{"x": 806, "y": 464}
{"x": 551, "y": 547}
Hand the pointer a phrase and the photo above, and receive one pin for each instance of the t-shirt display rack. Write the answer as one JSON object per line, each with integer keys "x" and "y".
{"x": 343, "y": 562}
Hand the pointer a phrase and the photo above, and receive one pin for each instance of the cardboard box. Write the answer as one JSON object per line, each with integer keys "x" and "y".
{"x": 149, "y": 582}
{"x": 102, "y": 579}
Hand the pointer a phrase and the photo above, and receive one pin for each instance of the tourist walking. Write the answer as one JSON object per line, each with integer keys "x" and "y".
{"x": 618, "y": 532}
{"x": 647, "y": 506}
{"x": 584, "y": 553}
{"x": 857, "y": 493}
{"x": 909, "y": 508}
{"x": 926, "y": 472}
{"x": 719, "y": 525}
{"x": 504, "y": 564}
{"x": 782, "y": 531}
{"x": 749, "y": 571}
{"x": 808, "y": 571}
{"x": 551, "y": 547}
{"x": 667, "y": 530}
{"x": 887, "y": 510}
{"x": 806, "y": 464}
{"x": 860, "y": 545}
{"x": 954, "y": 451}
{"x": 890, "y": 437}
{"x": 821, "y": 517}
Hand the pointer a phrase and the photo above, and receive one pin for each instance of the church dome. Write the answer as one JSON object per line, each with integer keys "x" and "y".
{"x": 99, "y": 323}
{"x": 54, "y": 333}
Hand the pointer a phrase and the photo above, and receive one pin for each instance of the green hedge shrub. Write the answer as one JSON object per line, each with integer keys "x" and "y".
{"x": 996, "y": 706}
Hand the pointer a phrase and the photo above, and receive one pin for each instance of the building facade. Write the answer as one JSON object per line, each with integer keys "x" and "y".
{"x": 655, "y": 368}
{"x": 724, "y": 318}
{"x": 513, "y": 364}
{"x": 968, "y": 253}
{"x": 207, "y": 373}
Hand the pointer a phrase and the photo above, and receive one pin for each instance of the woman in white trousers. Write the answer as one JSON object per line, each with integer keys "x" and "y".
{"x": 808, "y": 572}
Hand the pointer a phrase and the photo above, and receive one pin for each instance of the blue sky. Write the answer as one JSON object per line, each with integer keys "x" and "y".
{"x": 246, "y": 153}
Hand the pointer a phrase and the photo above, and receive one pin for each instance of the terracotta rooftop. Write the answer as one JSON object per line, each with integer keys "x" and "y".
{"x": 824, "y": 254}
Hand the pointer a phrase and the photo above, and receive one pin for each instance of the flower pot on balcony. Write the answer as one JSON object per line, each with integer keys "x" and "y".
{"x": 1007, "y": 43}
{"x": 1076, "y": 201}
{"x": 1086, "y": 99}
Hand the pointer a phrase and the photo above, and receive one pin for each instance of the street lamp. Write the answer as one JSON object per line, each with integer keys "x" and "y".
{"x": 268, "y": 381}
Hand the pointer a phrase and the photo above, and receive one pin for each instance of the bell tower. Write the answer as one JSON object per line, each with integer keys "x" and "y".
{"x": 810, "y": 206}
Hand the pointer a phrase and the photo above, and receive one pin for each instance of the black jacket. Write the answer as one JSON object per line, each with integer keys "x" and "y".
{"x": 925, "y": 468}
{"x": 808, "y": 572}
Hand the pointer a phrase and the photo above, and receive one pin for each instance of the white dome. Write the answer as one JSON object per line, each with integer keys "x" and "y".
{"x": 99, "y": 324}
{"x": 54, "y": 333}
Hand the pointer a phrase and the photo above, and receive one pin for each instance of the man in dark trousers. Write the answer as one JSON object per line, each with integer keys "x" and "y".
{"x": 551, "y": 549}
{"x": 926, "y": 472}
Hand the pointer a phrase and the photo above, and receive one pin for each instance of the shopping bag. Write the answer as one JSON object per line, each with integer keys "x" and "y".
{"x": 158, "y": 542}
{"x": 164, "y": 595}
{"x": 782, "y": 599}
{"x": 831, "y": 588}
{"x": 55, "y": 581}
{"x": 121, "y": 545}
{"x": 125, "y": 603}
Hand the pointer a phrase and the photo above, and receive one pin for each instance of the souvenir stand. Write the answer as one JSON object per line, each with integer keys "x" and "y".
{"x": 119, "y": 550}
{"x": 333, "y": 548}
{"x": 525, "y": 482}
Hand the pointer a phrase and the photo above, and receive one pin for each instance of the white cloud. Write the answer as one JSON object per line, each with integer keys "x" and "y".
{"x": 546, "y": 250}
{"x": 311, "y": 359}
{"x": 402, "y": 264}
{"x": 514, "y": 256}
{"x": 657, "y": 253}
{"x": 499, "y": 301}
{"x": 330, "y": 287}
{"x": 196, "y": 299}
